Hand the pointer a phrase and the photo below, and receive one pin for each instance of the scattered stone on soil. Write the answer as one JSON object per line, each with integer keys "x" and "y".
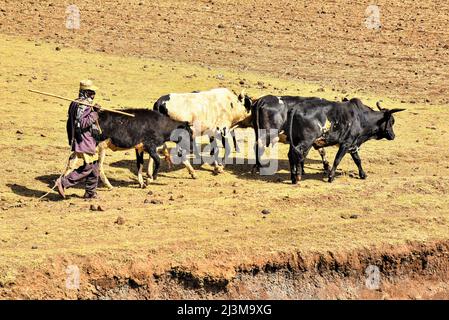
{"x": 354, "y": 216}
{"x": 120, "y": 221}
{"x": 171, "y": 198}
{"x": 19, "y": 132}
{"x": 34, "y": 247}
{"x": 266, "y": 211}
{"x": 93, "y": 207}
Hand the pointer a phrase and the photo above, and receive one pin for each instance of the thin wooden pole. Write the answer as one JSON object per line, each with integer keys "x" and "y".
{"x": 80, "y": 102}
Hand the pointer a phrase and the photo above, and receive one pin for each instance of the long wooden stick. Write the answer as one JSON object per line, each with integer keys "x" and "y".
{"x": 80, "y": 102}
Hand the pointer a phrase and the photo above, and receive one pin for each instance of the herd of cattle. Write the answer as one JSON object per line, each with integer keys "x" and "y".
{"x": 304, "y": 122}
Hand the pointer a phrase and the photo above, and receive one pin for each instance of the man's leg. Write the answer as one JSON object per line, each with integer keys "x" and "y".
{"x": 74, "y": 177}
{"x": 92, "y": 181}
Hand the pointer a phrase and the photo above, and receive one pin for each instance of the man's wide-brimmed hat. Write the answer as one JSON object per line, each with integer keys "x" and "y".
{"x": 88, "y": 85}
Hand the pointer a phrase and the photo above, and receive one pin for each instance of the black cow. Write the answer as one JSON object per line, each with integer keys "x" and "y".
{"x": 270, "y": 113}
{"x": 347, "y": 124}
{"x": 145, "y": 132}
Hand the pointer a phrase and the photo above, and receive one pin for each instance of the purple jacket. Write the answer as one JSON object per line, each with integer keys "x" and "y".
{"x": 79, "y": 128}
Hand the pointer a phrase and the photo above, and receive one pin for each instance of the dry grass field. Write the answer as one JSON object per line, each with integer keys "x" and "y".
{"x": 211, "y": 227}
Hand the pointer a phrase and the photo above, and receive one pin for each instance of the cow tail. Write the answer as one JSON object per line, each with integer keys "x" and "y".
{"x": 257, "y": 119}
{"x": 256, "y": 128}
{"x": 290, "y": 129}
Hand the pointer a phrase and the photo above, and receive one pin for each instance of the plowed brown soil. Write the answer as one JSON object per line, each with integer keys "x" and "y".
{"x": 324, "y": 42}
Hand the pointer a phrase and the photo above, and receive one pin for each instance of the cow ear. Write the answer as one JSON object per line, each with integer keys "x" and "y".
{"x": 248, "y": 103}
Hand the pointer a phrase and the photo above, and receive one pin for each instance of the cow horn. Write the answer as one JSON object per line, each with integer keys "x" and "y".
{"x": 395, "y": 110}
{"x": 378, "y": 106}
{"x": 242, "y": 95}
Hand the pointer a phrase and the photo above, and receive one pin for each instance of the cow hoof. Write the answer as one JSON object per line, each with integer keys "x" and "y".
{"x": 110, "y": 188}
{"x": 193, "y": 175}
{"x": 218, "y": 170}
{"x": 255, "y": 169}
{"x": 330, "y": 179}
{"x": 143, "y": 186}
{"x": 149, "y": 180}
{"x": 298, "y": 178}
{"x": 363, "y": 175}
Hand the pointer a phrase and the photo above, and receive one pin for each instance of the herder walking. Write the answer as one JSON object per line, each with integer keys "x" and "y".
{"x": 82, "y": 132}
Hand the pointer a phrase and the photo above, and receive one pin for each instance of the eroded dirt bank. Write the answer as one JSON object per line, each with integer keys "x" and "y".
{"x": 411, "y": 271}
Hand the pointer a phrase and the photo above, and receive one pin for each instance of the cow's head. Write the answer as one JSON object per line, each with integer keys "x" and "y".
{"x": 245, "y": 100}
{"x": 185, "y": 140}
{"x": 386, "y": 123}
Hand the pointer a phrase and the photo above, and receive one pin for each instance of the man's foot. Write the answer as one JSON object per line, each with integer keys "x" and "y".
{"x": 90, "y": 195}
{"x": 60, "y": 187}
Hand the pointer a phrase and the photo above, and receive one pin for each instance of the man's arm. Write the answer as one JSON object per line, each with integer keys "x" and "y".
{"x": 88, "y": 118}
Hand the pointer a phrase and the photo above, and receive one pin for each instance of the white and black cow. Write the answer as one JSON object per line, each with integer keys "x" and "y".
{"x": 208, "y": 112}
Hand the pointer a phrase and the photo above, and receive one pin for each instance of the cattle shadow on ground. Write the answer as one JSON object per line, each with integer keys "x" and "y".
{"x": 244, "y": 171}
{"x": 241, "y": 171}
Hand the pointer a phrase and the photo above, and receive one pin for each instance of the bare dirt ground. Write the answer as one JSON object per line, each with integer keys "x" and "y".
{"x": 207, "y": 238}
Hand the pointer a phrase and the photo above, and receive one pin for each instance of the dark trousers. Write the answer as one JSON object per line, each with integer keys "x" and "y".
{"x": 90, "y": 172}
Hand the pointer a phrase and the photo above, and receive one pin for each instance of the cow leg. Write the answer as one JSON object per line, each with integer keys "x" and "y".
{"x": 259, "y": 149}
{"x": 186, "y": 162}
{"x": 150, "y": 170}
{"x": 324, "y": 159}
{"x": 139, "y": 160}
{"x": 102, "y": 147}
{"x": 340, "y": 154}
{"x": 358, "y": 162}
{"x": 226, "y": 146}
{"x": 295, "y": 159}
{"x": 157, "y": 160}
{"x": 214, "y": 151}
{"x": 167, "y": 157}
{"x": 71, "y": 163}
{"x": 304, "y": 156}
{"x": 234, "y": 140}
